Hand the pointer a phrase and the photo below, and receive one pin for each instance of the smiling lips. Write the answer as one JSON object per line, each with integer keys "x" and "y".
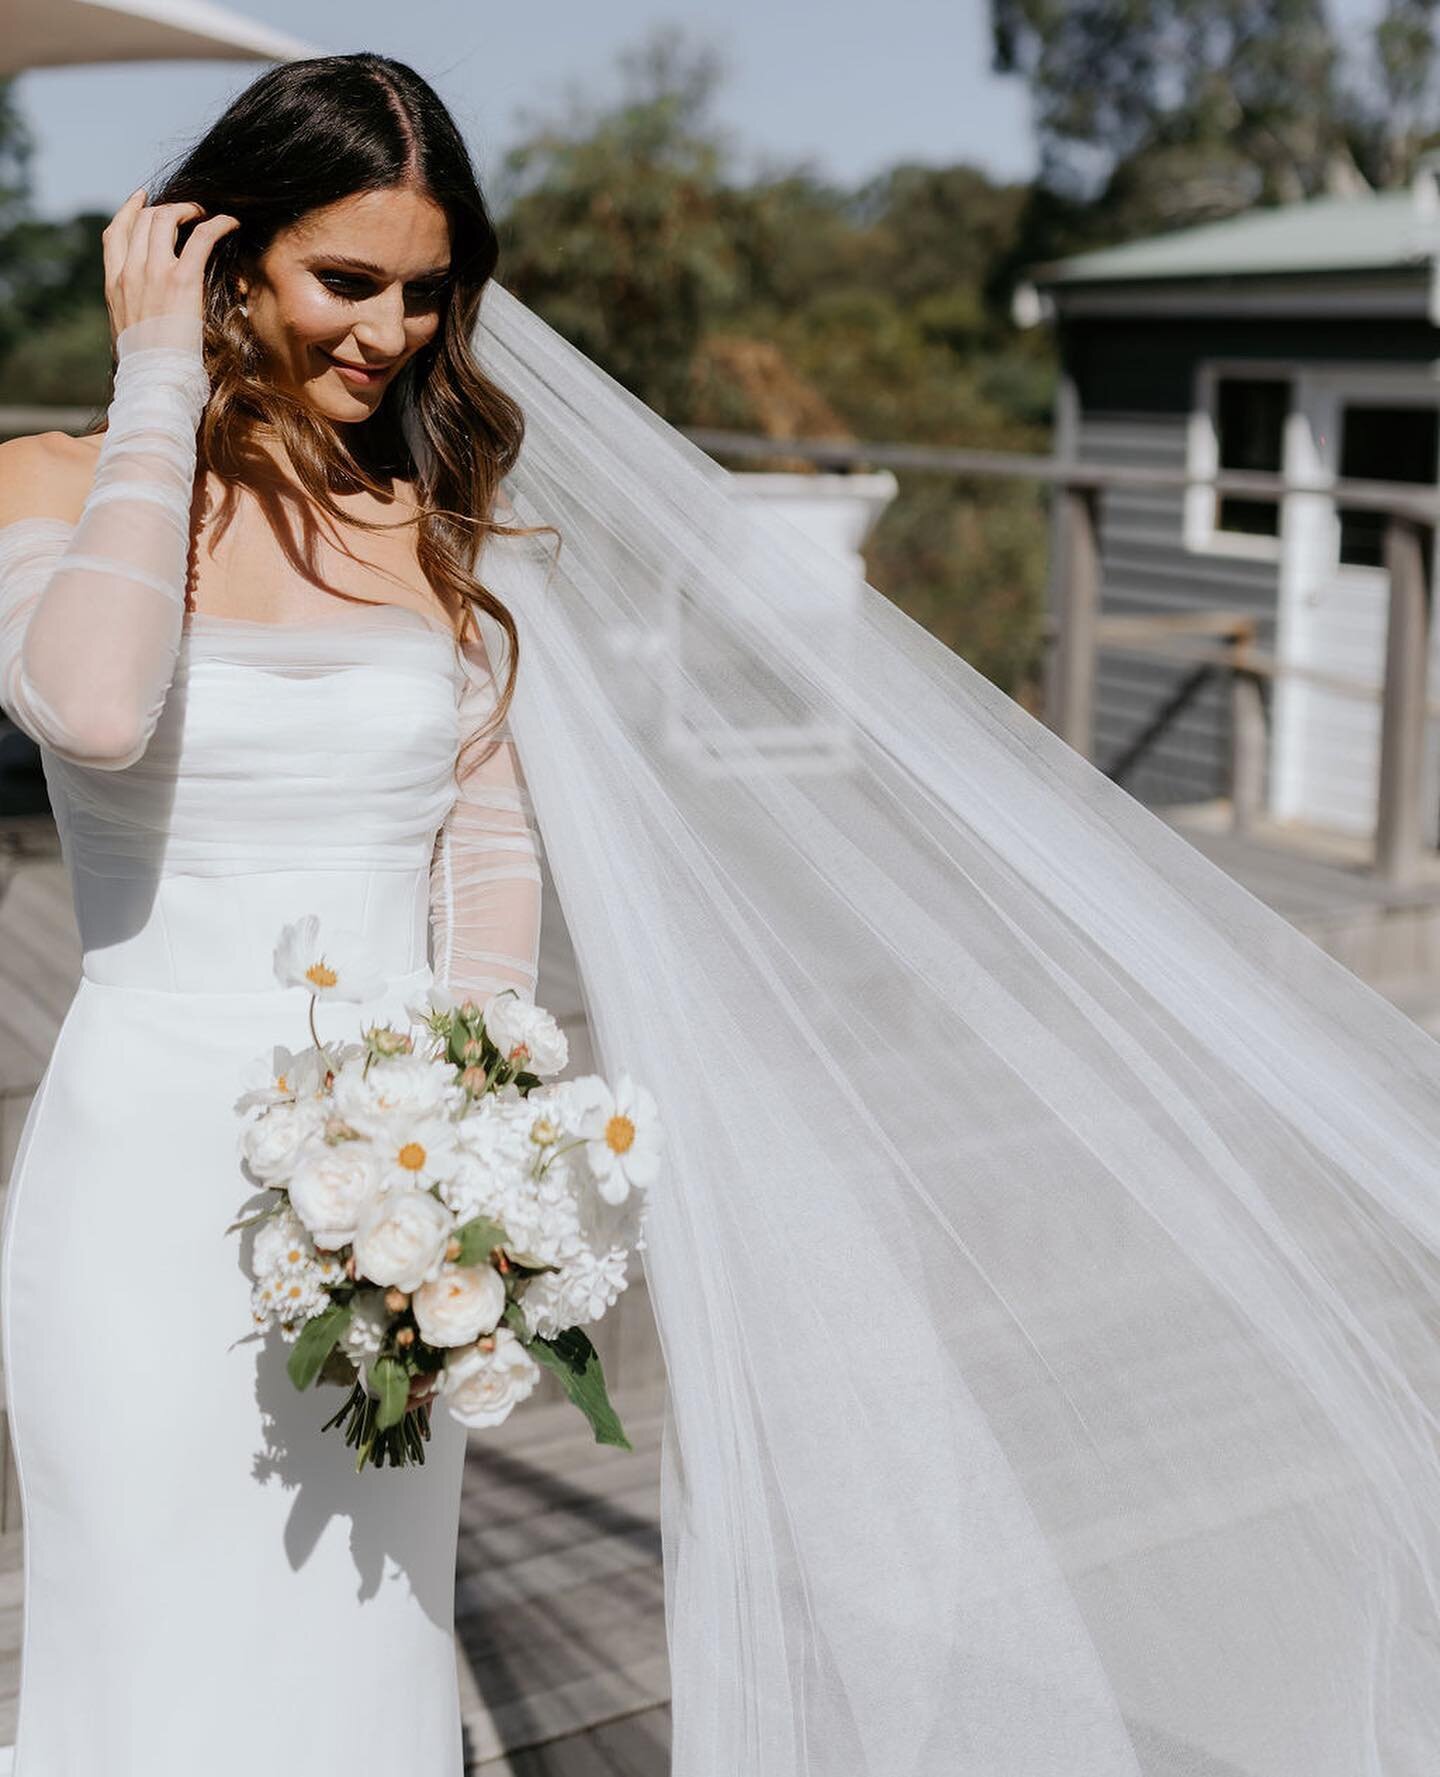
{"x": 358, "y": 373}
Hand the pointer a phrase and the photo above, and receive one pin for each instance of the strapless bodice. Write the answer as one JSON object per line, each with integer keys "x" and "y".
{"x": 296, "y": 768}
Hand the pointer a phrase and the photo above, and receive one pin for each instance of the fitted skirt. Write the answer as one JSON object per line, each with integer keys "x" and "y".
{"x": 209, "y": 1584}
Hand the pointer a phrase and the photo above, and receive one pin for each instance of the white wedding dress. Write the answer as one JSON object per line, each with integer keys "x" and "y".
{"x": 209, "y": 1584}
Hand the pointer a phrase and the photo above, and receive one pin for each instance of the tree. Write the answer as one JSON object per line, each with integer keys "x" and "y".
{"x": 1158, "y": 113}
{"x": 618, "y": 227}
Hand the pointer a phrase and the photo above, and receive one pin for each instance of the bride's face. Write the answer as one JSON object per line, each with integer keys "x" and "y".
{"x": 357, "y": 283}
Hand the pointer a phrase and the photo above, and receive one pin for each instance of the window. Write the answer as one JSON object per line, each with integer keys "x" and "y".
{"x": 1250, "y": 414}
{"x": 1382, "y": 444}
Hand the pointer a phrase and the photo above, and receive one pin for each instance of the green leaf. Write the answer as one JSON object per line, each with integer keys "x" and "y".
{"x": 317, "y": 1339}
{"x": 260, "y": 1215}
{"x": 572, "y": 1357}
{"x": 477, "y": 1238}
{"x": 390, "y": 1383}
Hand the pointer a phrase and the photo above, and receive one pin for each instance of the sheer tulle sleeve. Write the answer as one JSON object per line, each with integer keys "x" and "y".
{"x": 485, "y": 882}
{"x": 90, "y": 624}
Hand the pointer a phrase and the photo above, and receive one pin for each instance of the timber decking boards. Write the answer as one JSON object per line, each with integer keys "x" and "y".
{"x": 560, "y": 1606}
{"x": 559, "y": 1612}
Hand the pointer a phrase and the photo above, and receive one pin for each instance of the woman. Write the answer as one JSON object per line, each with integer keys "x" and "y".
{"x": 1048, "y": 1273}
{"x": 247, "y": 689}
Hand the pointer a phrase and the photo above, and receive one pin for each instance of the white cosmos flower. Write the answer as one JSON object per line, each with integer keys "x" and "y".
{"x": 622, "y": 1131}
{"x": 415, "y": 1155}
{"x": 401, "y": 1238}
{"x": 463, "y": 1302}
{"x": 340, "y": 968}
{"x": 283, "y": 1075}
{"x": 393, "y": 1090}
{"x": 330, "y": 1187}
{"x": 525, "y": 1034}
{"x": 274, "y": 1141}
{"x": 483, "y": 1387}
{"x": 438, "y": 998}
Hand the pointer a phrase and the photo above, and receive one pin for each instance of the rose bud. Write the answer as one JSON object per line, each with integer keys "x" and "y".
{"x": 396, "y": 1300}
{"x": 406, "y": 1336}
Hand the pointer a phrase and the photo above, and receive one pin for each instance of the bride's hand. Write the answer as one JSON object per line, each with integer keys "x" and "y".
{"x": 144, "y": 276}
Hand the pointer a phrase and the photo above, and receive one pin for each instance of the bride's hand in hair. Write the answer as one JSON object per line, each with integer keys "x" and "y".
{"x": 144, "y": 276}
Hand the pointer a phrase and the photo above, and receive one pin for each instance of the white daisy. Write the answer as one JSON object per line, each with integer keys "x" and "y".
{"x": 622, "y": 1132}
{"x": 416, "y": 1155}
{"x": 339, "y": 969}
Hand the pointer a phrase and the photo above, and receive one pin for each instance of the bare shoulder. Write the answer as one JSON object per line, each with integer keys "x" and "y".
{"x": 46, "y": 475}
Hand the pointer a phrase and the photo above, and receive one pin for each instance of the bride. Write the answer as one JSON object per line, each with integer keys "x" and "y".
{"x": 1048, "y": 1267}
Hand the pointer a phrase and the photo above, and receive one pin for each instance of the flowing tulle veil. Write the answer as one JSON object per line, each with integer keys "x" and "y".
{"x": 1047, "y": 1266}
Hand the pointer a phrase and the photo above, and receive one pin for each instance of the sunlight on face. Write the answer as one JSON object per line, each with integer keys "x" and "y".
{"x": 357, "y": 283}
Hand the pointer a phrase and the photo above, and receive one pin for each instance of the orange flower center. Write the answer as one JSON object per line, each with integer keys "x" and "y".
{"x": 282, "y": 1082}
{"x": 321, "y": 974}
{"x": 619, "y": 1134}
{"x": 411, "y": 1156}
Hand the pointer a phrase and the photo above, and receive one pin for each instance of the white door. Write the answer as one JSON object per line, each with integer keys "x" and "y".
{"x": 1365, "y": 425}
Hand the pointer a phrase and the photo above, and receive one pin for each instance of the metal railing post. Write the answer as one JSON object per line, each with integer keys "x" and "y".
{"x": 1398, "y": 844}
{"x": 1077, "y": 611}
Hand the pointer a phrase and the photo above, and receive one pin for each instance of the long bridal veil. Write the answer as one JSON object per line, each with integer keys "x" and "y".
{"x": 1048, "y": 1263}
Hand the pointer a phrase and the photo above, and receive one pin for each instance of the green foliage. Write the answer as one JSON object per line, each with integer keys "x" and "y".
{"x": 60, "y": 362}
{"x": 478, "y": 1237}
{"x": 1155, "y": 114}
{"x": 572, "y": 1358}
{"x": 317, "y": 1339}
{"x": 391, "y": 1383}
{"x": 617, "y": 225}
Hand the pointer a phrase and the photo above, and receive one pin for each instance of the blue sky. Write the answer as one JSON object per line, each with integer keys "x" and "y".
{"x": 848, "y": 87}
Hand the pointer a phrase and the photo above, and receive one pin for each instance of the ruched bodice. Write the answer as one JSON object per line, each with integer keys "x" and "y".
{"x": 295, "y": 768}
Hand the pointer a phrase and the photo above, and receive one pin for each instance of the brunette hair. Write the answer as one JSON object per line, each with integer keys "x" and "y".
{"x": 307, "y": 134}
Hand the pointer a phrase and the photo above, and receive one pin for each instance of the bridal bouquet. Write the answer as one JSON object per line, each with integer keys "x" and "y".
{"x": 444, "y": 1225}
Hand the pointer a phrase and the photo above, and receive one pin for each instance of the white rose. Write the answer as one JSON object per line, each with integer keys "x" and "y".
{"x": 274, "y": 1141}
{"x": 401, "y": 1238}
{"x": 459, "y": 1305}
{"x": 330, "y": 1187}
{"x": 525, "y": 1034}
{"x": 395, "y": 1089}
{"x": 482, "y": 1387}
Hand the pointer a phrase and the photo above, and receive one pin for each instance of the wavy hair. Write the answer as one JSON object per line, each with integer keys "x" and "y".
{"x": 304, "y": 135}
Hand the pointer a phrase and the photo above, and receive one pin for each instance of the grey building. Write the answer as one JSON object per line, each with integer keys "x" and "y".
{"x": 1303, "y": 340}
